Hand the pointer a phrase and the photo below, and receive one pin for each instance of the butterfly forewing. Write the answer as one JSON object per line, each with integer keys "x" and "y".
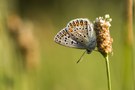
{"x": 65, "y": 39}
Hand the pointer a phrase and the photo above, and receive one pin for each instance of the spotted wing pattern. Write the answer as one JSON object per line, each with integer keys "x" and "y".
{"x": 63, "y": 38}
{"x": 81, "y": 30}
{"x": 78, "y": 33}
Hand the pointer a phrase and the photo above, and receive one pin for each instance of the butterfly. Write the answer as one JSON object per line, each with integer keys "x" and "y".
{"x": 79, "y": 33}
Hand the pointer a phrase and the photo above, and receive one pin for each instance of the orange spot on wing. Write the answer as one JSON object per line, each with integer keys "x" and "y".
{"x": 81, "y": 22}
{"x": 77, "y": 23}
{"x": 70, "y": 30}
{"x": 74, "y": 23}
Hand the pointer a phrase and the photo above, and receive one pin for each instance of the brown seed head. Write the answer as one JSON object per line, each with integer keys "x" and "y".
{"x": 104, "y": 40}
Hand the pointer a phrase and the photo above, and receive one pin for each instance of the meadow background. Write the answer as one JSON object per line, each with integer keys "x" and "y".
{"x": 31, "y": 60}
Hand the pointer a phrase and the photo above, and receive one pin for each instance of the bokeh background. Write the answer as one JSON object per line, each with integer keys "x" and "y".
{"x": 31, "y": 60}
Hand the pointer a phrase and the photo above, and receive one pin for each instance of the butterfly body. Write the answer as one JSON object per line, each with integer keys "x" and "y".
{"x": 78, "y": 33}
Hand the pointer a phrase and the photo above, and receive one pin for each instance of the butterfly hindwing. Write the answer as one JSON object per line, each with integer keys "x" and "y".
{"x": 80, "y": 30}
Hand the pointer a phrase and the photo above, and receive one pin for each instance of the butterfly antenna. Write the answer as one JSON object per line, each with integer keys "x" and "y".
{"x": 81, "y": 57}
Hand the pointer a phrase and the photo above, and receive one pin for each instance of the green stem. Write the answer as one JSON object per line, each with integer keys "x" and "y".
{"x": 108, "y": 72}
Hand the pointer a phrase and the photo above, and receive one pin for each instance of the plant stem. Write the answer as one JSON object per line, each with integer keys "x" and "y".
{"x": 108, "y": 72}
{"x": 129, "y": 78}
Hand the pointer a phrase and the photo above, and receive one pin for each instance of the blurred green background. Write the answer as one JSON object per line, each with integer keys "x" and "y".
{"x": 31, "y": 60}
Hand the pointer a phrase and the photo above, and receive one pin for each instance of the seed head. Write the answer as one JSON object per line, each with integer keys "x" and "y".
{"x": 104, "y": 40}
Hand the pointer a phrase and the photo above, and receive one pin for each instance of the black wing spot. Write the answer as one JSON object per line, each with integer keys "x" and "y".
{"x": 59, "y": 41}
{"x": 56, "y": 39}
{"x": 93, "y": 41}
{"x": 71, "y": 34}
{"x": 72, "y": 42}
{"x": 68, "y": 36}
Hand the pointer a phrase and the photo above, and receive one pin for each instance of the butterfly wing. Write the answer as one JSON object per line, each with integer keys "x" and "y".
{"x": 63, "y": 38}
{"x": 81, "y": 30}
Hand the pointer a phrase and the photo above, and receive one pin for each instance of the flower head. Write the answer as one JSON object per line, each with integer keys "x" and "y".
{"x": 104, "y": 40}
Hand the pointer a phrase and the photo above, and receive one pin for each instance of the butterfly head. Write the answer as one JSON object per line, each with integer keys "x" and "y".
{"x": 88, "y": 51}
